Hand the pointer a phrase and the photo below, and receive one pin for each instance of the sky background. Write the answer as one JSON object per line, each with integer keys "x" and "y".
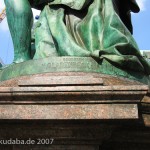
{"x": 141, "y": 23}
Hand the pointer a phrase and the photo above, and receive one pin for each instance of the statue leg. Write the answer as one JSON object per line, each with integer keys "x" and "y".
{"x": 20, "y": 20}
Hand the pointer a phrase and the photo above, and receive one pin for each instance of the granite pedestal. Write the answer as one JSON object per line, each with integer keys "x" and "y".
{"x": 74, "y": 111}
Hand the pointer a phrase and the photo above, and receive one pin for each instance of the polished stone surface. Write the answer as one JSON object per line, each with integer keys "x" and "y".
{"x": 62, "y": 91}
{"x": 62, "y": 80}
{"x": 69, "y": 112}
{"x": 78, "y": 116}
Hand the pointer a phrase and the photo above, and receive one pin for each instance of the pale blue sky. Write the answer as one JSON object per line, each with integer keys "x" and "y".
{"x": 141, "y": 25}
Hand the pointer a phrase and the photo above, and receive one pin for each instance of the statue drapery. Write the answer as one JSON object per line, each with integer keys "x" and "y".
{"x": 87, "y": 28}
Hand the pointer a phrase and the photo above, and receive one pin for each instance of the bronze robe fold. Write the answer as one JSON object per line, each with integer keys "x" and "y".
{"x": 87, "y": 28}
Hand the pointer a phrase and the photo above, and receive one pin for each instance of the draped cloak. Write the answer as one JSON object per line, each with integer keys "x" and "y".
{"x": 87, "y": 28}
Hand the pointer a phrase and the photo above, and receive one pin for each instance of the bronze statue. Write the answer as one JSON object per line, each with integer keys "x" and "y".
{"x": 84, "y": 28}
{"x": 124, "y": 8}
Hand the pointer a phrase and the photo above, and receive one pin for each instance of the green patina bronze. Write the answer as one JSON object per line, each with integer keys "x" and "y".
{"x": 1, "y": 65}
{"x": 69, "y": 64}
{"x": 79, "y": 28}
{"x": 19, "y": 16}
